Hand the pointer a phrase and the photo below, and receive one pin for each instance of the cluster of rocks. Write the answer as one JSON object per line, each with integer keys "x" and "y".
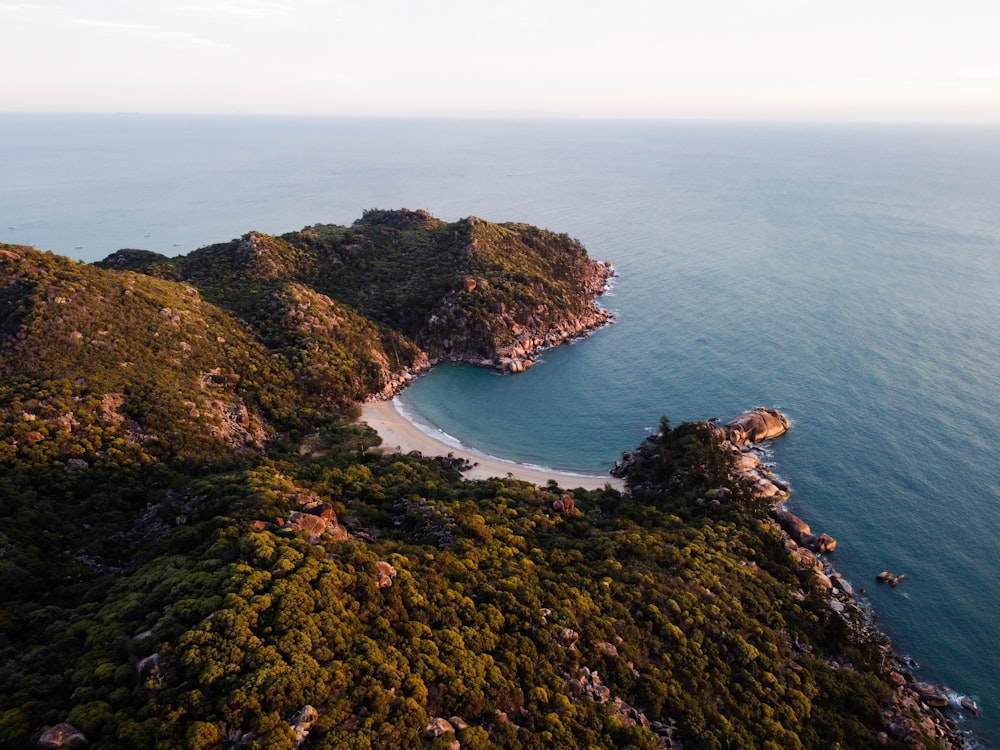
{"x": 396, "y": 381}
{"x": 590, "y": 686}
{"x": 314, "y": 518}
{"x": 740, "y": 434}
{"x": 886, "y": 577}
{"x": 531, "y": 339}
{"x": 451, "y": 462}
{"x": 438, "y": 726}
{"x": 919, "y": 710}
{"x": 800, "y": 532}
{"x": 563, "y": 503}
{"x": 424, "y": 521}
{"x": 385, "y": 574}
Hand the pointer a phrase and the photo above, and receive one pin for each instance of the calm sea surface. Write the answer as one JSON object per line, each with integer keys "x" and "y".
{"x": 849, "y": 275}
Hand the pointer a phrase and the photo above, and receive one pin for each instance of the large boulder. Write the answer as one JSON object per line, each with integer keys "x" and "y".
{"x": 303, "y": 722}
{"x": 63, "y": 736}
{"x": 755, "y": 426}
{"x": 437, "y": 727}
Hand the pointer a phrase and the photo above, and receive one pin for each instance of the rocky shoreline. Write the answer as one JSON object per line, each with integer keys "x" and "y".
{"x": 918, "y": 709}
{"x": 529, "y": 339}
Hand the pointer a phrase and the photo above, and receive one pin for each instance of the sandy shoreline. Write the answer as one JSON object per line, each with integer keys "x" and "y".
{"x": 399, "y": 434}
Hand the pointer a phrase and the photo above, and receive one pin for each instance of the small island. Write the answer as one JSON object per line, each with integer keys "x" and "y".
{"x": 203, "y": 547}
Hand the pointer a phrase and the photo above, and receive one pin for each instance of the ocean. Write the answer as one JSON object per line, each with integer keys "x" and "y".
{"x": 846, "y": 274}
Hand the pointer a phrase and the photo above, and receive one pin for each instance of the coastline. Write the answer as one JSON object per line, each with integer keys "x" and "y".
{"x": 911, "y": 697}
{"x": 399, "y": 434}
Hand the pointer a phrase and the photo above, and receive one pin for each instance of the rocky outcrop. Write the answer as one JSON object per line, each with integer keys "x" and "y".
{"x": 800, "y": 532}
{"x": 63, "y": 736}
{"x": 755, "y": 426}
{"x": 384, "y": 574}
{"x": 568, "y": 638}
{"x": 303, "y": 722}
{"x": 437, "y": 727}
{"x": 563, "y": 503}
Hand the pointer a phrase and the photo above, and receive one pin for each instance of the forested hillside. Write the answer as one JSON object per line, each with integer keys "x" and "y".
{"x": 199, "y": 548}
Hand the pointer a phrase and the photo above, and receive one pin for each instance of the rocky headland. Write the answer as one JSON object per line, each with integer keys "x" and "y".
{"x": 918, "y": 709}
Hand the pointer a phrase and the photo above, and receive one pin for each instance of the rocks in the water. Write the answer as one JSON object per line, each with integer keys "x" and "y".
{"x": 825, "y": 543}
{"x": 930, "y": 695}
{"x": 754, "y": 426}
{"x": 969, "y": 705}
{"x": 63, "y": 736}
{"x": 886, "y": 577}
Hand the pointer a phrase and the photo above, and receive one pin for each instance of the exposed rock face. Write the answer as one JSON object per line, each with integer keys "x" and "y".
{"x": 754, "y": 426}
{"x": 63, "y": 736}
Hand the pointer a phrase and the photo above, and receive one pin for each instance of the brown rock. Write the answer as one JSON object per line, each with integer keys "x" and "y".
{"x": 565, "y": 502}
{"x": 746, "y": 462}
{"x": 930, "y": 695}
{"x": 755, "y": 426}
{"x": 384, "y": 574}
{"x": 438, "y": 726}
{"x": 825, "y": 543}
{"x": 794, "y": 526}
{"x": 323, "y": 510}
{"x": 337, "y": 532}
{"x": 306, "y": 522}
{"x": 303, "y": 722}
{"x": 568, "y": 638}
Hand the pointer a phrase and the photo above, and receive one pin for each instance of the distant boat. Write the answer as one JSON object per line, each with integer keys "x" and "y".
{"x": 78, "y": 247}
{"x": 11, "y": 226}
{"x": 177, "y": 244}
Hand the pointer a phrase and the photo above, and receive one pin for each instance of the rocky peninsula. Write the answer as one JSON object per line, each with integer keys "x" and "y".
{"x": 918, "y": 709}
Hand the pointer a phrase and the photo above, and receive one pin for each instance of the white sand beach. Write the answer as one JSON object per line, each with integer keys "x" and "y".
{"x": 400, "y": 434}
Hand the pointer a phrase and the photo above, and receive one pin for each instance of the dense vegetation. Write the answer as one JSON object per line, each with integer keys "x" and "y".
{"x": 197, "y": 544}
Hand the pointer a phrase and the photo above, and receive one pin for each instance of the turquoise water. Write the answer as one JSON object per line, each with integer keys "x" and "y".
{"x": 847, "y": 275}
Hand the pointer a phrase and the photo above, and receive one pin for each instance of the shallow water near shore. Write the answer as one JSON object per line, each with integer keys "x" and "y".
{"x": 847, "y": 275}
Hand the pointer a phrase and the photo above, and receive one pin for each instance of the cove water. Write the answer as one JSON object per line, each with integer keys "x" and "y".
{"x": 848, "y": 275}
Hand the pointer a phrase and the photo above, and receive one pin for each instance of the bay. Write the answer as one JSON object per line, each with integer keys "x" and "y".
{"x": 849, "y": 275}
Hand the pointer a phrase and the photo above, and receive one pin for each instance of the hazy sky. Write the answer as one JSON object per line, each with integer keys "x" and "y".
{"x": 891, "y": 60}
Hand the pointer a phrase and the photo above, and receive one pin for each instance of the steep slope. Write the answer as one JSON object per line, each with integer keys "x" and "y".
{"x": 95, "y": 363}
